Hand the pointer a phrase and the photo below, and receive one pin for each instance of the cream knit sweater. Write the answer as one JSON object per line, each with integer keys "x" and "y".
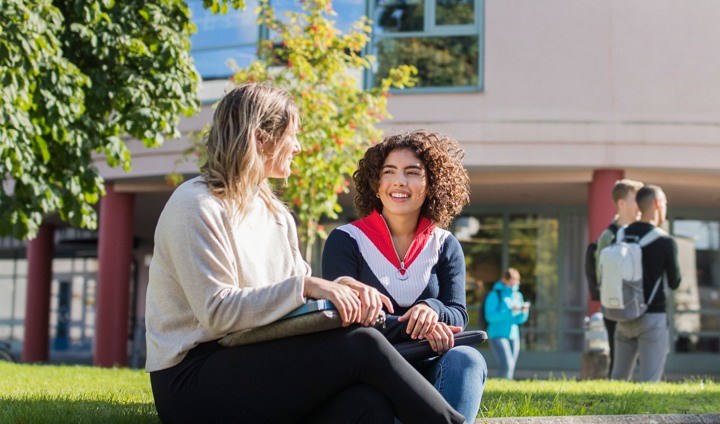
{"x": 212, "y": 274}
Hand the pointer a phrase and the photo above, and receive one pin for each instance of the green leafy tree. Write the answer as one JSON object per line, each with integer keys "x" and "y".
{"x": 321, "y": 67}
{"x": 76, "y": 77}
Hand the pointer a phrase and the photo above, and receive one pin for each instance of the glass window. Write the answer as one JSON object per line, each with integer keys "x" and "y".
{"x": 442, "y": 38}
{"x": 441, "y": 61}
{"x": 530, "y": 244}
{"x": 13, "y": 284}
{"x": 219, "y": 38}
{"x": 696, "y": 302}
{"x": 347, "y": 12}
{"x": 455, "y": 12}
{"x": 481, "y": 238}
{"x": 533, "y": 251}
{"x": 399, "y": 16}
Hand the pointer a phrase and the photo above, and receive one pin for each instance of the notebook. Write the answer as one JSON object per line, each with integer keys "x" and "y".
{"x": 420, "y": 349}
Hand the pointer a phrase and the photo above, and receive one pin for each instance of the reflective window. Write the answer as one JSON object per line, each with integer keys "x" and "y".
{"x": 441, "y": 61}
{"x": 399, "y": 16}
{"x": 346, "y": 12}
{"x": 482, "y": 240}
{"x": 528, "y": 243}
{"x": 221, "y": 38}
{"x": 442, "y": 38}
{"x": 13, "y": 286}
{"x": 533, "y": 251}
{"x": 696, "y": 303}
{"x": 455, "y": 12}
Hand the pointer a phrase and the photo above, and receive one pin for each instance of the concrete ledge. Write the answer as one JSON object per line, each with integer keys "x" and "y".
{"x": 609, "y": 419}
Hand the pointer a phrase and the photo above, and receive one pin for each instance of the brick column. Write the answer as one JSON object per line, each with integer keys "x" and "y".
{"x": 36, "y": 342}
{"x": 600, "y": 208}
{"x": 115, "y": 246}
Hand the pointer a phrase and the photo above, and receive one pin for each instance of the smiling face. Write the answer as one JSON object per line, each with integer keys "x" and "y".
{"x": 403, "y": 185}
{"x": 279, "y": 163}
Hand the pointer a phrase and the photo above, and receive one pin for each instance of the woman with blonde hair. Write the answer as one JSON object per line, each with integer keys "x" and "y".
{"x": 226, "y": 259}
{"x": 409, "y": 188}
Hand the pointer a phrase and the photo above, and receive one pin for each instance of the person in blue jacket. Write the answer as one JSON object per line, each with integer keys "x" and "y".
{"x": 505, "y": 310}
{"x": 409, "y": 188}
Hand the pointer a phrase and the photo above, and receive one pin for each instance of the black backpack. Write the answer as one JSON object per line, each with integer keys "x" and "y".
{"x": 482, "y": 320}
{"x": 591, "y": 265}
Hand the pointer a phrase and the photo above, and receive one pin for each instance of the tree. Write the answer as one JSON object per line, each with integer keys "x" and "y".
{"x": 314, "y": 62}
{"x": 76, "y": 77}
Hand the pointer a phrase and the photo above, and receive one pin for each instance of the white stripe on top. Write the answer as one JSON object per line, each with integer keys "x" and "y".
{"x": 405, "y": 292}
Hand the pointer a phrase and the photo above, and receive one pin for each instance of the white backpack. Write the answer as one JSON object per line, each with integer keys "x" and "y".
{"x": 621, "y": 277}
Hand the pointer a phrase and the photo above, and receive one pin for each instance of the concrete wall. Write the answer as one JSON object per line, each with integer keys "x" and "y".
{"x": 587, "y": 83}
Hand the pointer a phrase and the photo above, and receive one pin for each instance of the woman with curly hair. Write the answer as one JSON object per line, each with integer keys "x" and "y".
{"x": 409, "y": 187}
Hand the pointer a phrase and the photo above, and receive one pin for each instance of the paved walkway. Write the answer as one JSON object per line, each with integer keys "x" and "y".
{"x": 610, "y": 419}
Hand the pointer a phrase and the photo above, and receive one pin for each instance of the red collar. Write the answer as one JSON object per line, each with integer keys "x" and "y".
{"x": 377, "y": 230}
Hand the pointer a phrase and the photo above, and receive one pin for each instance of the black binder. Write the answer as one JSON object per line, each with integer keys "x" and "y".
{"x": 420, "y": 349}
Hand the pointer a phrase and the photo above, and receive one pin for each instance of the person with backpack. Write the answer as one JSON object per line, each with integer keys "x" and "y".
{"x": 647, "y": 255}
{"x": 623, "y": 197}
{"x": 505, "y": 310}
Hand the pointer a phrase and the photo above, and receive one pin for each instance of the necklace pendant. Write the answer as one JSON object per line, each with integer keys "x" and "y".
{"x": 402, "y": 274}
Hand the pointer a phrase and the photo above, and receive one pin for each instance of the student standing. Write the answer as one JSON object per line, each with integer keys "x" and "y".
{"x": 226, "y": 259}
{"x": 409, "y": 188}
{"x": 623, "y": 197}
{"x": 505, "y": 310}
{"x": 645, "y": 339}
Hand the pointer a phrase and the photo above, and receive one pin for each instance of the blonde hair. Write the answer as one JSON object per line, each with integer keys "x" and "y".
{"x": 248, "y": 126}
{"x": 623, "y": 187}
{"x": 511, "y": 274}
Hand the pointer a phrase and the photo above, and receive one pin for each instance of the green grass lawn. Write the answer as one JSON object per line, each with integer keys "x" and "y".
{"x": 79, "y": 394}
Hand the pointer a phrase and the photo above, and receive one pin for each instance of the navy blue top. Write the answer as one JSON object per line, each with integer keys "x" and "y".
{"x": 434, "y": 272}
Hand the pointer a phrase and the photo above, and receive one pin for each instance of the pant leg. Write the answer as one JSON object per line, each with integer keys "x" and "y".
{"x": 501, "y": 348}
{"x": 515, "y": 349}
{"x": 653, "y": 346}
{"x": 285, "y": 380}
{"x": 358, "y": 404}
{"x": 626, "y": 350}
{"x": 459, "y": 376}
{"x": 610, "y": 327}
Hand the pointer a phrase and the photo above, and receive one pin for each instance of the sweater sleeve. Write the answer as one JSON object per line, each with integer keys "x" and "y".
{"x": 340, "y": 257}
{"x": 197, "y": 249}
{"x": 450, "y": 303}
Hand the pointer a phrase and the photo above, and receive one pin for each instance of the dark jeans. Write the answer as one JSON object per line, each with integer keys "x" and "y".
{"x": 349, "y": 375}
{"x": 610, "y": 327}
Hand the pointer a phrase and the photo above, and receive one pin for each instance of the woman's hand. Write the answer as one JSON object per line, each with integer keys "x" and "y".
{"x": 344, "y": 298}
{"x": 371, "y": 300}
{"x": 421, "y": 319}
{"x": 442, "y": 338}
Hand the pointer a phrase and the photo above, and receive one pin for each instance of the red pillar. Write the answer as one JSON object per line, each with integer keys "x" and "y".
{"x": 600, "y": 207}
{"x": 36, "y": 342}
{"x": 113, "y": 295}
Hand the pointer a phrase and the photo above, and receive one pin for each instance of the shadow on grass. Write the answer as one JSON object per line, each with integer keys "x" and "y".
{"x": 81, "y": 411}
{"x": 547, "y": 403}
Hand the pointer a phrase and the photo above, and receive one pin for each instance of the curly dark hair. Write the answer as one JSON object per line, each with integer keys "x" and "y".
{"x": 448, "y": 187}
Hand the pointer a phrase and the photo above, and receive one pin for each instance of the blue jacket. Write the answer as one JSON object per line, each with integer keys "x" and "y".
{"x": 502, "y": 320}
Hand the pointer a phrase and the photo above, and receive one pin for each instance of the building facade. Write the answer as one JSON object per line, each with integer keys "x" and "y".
{"x": 552, "y": 100}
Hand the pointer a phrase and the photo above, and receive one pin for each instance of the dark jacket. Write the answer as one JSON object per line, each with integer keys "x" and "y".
{"x": 658, "y": 257}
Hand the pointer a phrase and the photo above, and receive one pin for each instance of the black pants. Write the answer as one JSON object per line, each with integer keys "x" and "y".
{"x": 610, "y": 327}
{"x": 349, "y": 375}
